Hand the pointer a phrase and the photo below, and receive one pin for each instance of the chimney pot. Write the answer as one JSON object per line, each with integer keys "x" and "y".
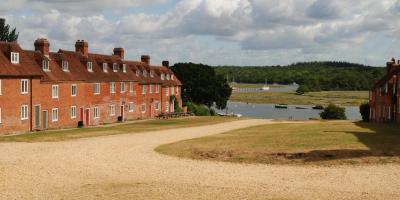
{"x": 146, "y": 59}
{"x": 42, "y": 45}
{"x": 119, "y": 52}
{"x": 82, "y": 47}
{"x": 165, "y": 63}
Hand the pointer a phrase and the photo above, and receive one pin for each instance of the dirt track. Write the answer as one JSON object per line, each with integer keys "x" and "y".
{"x": 126, "y": 167}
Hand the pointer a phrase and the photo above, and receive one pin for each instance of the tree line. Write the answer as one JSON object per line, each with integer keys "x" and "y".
{"x": 312, "y": 76}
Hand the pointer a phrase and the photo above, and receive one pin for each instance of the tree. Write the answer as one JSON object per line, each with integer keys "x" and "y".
{"x": 333, "y": 112}
{"x": 201, "y": 85}
{"x": 5, "y": 33}
{"x": 364, "y": 110}
{"x": 302, "y": 90}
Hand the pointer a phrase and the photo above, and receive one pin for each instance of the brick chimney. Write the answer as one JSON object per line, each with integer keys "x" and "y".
{"x": 165, "y": 63}
{"x": 146, "y": 59}
{"x": 119, "y": 52}
{"x": 42, "y": 45}
{"x": 391, "y": 65}
{"x": 82, "y": 47}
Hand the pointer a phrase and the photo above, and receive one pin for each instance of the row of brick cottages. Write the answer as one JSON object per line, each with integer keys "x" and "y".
{"x": 47, "y": 90}
{"x": 384, "y": 97}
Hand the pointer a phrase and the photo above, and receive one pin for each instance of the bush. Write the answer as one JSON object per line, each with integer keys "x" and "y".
{"x": 302, "y": 89}
{"x": 333, "y": 112}
{"x": 364, "y": 110}
{"x": 198, "y": 110}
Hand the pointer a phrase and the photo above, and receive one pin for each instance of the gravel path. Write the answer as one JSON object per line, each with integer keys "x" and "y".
{"x": 126, "y": 167}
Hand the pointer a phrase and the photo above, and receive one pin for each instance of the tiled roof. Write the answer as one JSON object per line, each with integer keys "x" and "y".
{"x": 26, "y": 66}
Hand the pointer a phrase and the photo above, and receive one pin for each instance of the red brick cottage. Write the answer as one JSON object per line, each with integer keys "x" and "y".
{"x": 42, "y": 90}
{"x": 384, "y": 97}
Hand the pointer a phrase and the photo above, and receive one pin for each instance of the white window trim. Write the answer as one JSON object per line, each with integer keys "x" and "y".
{"x": 23, "y": 82}
{"x": 14, "y": 57}
{"x": 144, "y": 89}
{"x": 145, "y": 107}
{"x": 94, "y": 88}
{"x": 115, "y": 67}
{"x": 73, "y": 114}
{"x": 105, "y": 67}
{"x": 112, "y": 87}
{"x": 96, "y": 111}
{"x": 54, "y": 96}
{"x": 76, "y": 90}
{"x": 151, "y": 88}
{"x": 46, "y": 65}
{"x": 130, "y": 87}
{"x": 112, "y": 110}
{"x": 122, "y": 87}
{"x": 23, "y": 117}
{"x": 89, "y": 66}
{"x": 157, "y": 88}
{"x": 131, "y": 107}
{"x": 64, "y": 66}
{"x": 157, "y": 108}
{"x": 124, "y": 68}
{"x": 54, "y": 118}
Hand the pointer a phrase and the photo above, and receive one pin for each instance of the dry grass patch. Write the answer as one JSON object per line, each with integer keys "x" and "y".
{"x": 325, "y": 143}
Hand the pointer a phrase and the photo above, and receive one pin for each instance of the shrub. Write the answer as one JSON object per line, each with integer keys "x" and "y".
{"x": 333, "y": 112}
{"x": 302, "y": 89}
{"x": 198, "y": 110}
{"x": 364, "y": 111}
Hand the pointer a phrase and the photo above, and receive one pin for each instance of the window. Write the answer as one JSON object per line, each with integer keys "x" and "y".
{"x": 137, "y": 73}
{"x": 64, "y": 65}
{"x": 130, "y": 87}
{"x": 14, "y": 58}
{"x": 157, "y": 88}
{"x": 24, "y": 86}
{"x": 156, "y": 105}
{"x": 124, "y": 68}
{"x": 144, "y": 89}
{"x": 151, "y": 74}
{"x": 167, "y": 76}
{"x": 151, "y": 89}
{"x": 96, "y": 88}
{"x": 130, "y": 107}
{"x": 112, "y": 87}
{"x": 74, "y": 90}
{"x": 115, "y": 67}
{"x": 73, "y": 112}
{"x": 144, "y": 73}
{"x": 143, "y": 107}
{"x": 167, "y": 91}
{"x": 172, "y": 90}
{"x": 166, "y": 106}
{"x": 122, "y": 87}
{"x": 54, "y": 91}
{"x": 162, "y": 76}
{"x": 0, "y": 88}
{"x": 105, "y": 67}
{"x": 112, "y": 110}
{"x": 172, "y": 77}
{"x": 96, "y": 112}
{"x": 24, "y": 112}
{"x": 54, "y": 114}
{"x": 89, "y": 66}
{"x": 46, "y": 65}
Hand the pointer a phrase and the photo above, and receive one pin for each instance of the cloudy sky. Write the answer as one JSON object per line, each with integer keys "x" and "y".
{"x": 216, "y": 32}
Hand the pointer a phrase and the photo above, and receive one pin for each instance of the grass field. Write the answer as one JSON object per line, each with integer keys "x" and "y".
{"x": 256, "y": 85}
{"x": 343, "y": 98}
{"x": 319, "y": 143}
{"x": 135, "y": 127}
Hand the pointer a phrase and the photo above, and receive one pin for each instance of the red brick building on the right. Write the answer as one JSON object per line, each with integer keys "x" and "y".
{"x": 384, "y": 98}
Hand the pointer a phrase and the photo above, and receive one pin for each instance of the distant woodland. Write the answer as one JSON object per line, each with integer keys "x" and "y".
{"x": 311, "y": 76}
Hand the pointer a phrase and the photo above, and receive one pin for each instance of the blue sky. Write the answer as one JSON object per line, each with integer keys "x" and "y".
{"x": 216, "y": 32}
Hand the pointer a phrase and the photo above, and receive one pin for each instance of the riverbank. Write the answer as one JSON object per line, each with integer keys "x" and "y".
{"x": 342, "y": 98}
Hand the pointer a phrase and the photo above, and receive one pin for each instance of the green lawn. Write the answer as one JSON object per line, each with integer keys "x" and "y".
{"x": 137, "y": 127}
{"x": 320, "y": 143}
{"x": 343, "y": 98}
{"x": 256, "y": 85}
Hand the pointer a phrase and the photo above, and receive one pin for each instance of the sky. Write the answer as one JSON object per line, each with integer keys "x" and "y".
{"x": 216, "y": 32}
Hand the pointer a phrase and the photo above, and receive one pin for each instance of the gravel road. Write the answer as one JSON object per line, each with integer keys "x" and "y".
{"x": 126, "y": 167}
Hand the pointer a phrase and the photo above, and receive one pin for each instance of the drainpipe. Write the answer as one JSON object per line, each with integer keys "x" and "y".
{"x": 30, "y": 106}
{"x": 162, "y": 103}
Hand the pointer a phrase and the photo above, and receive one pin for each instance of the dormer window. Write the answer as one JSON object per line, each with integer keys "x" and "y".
{"x": 115, "y": 67}
{"x": 167, "y": 76}
{"x": 162, "y": 76}
{"x": 124, "y": 68}
{"x": 46, "y": 65}
{"x": 137, "y": 73}
{"x": 64, "y": 65}
{"x": 89, "y": 66}
{"x": 172, "y": 77}
{"x": 151, "y": 74}
{"x": 14, "y": 58}
{"x": 144, "y": 73}
{"x": 105, "y": 67}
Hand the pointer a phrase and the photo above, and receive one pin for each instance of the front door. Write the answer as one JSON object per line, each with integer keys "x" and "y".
{"x": 87, "y": 117}
{"x": 122, "y": 112}
{"x": 45, "y": 122}
{"x": 37, "y": 116}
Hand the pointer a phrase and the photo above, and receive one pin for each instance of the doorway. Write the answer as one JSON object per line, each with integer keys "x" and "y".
{"x": 87, "y": 117}
{"x": 45, "y": 120}
{"x": 122, "y": 112}
{"x": 37, "y": 116}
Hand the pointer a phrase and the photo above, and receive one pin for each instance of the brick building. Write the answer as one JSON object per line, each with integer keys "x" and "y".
{"x": 42, "y": 90}
{"x": 384, "y": 97}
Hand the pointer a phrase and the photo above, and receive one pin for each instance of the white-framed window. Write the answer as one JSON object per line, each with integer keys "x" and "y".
{"x": 130, "y": 107}
{"x": 46, "y": 65}
{"x": 105, "y": 67}
{"x": 54, "y": 91}
{"x": 112, "y": 110}
{"x": 151, "y": 73}
{"x": 157, "y": 105}
{"x": 144, "y": 89}
{"x": 54, "y": 115}
{"x": 89, "y": 66}
{"x": 115, "y": 67}
{"x": 73, "y": 112}
{"x": 168, "y": 76}
{"x": 124, "y": 68}
{"x": 137, "y": 73}
{"x": 144, "y": 73}
{"x": 112, "y": 87}
{"x": 74, "y": 90}
{"x": 24, "y": 86}
{"x": 64, "y": 65}
{"x": 167, "y": 91}
{"x": 143, "y": 107}
{"x": 162, "y": 76}
{"x": 24, "y": 112}
{"x": 0, "y": 116}
{"x": 172, "y": 90}
{"x": 157, "y": 88}
{"x": 122, "y": 87}
{"x": 96, "y": 112}
{"x": 130, "y": 87}
{"x": 172, "y": 77}
{"x": 96, "y": 88}
{"x": 14, "y": 57}
{"x": 151, "y": 89}
{"x": 0, "y": 88}
{"x": 166, "y": 106}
